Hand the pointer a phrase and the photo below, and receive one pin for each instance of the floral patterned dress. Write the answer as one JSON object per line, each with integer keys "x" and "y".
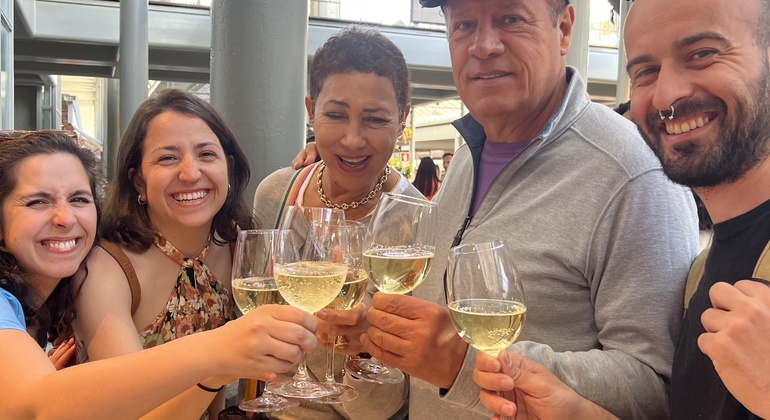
{"x": 198, "y": 301}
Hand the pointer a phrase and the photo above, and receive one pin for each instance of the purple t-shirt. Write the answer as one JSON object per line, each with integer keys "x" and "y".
{"x": 494, "y": 157}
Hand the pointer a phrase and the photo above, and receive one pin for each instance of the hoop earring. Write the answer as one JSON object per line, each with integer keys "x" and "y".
{"x": 139, "y": 200}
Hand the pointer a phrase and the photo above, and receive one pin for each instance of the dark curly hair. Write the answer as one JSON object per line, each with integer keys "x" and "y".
{"x": 360, "y": 49}
{"x": 126, "y": 222}
{"x": 57, "y": 312}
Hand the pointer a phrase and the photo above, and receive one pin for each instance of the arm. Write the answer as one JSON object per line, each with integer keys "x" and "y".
{"x": 512, "y": 385}
{"x": 106, "y": 326}
{"x": 111, "y": 388}
{"x": 737, "y": 340}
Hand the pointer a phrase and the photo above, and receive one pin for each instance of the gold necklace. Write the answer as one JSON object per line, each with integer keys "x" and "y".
{"x": 355, "y": 204}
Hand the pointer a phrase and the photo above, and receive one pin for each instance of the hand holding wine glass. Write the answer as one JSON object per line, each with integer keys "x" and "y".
{"x": 398, "y": 254}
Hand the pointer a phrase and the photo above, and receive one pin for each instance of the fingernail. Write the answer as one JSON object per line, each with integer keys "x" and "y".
{"x": 507, "y": 359}
{"x": 507, "y": 409}
{"x": 321, "y": 315}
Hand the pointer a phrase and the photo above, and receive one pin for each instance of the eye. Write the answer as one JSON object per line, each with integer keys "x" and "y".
{"x": 81, "y": 201}
{"x": 511, "y": 20}
{"x": 377, "y": 120}
{"x": 334, "y": 115}
{"x": 37, "y": 203}
{"x": 209, "y": 155}
{"x": 643, "y": 75}
{"x": 166, "y": 159}
{"x": 701, "y": 54}
{"x": 463, "y": 25}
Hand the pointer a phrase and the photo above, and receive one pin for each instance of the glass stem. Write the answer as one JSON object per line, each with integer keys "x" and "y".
{"x": 329, "y": 376}
{"x": 301, "y": 374}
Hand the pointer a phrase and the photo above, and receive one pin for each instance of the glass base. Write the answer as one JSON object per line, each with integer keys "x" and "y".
{"x": 300, "y": 389}
{"x": 342, "y": 393}
{"x": 370, "y": 370}
{"x": 268, "y": 402}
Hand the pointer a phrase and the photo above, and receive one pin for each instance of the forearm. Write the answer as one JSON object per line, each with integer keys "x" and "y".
{"x": 190, "y": 404}
{"x": 114, "y": 388}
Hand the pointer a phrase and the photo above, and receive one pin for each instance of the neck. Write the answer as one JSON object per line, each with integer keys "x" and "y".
{"x": 518, "y": 127}
{"x": 190, "y": 242}
{"x": 42, "y": 288}
{"x": 727, "y": 201}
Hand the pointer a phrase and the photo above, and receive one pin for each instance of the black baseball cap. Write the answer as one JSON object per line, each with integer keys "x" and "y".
{"x": 437, "y": 3}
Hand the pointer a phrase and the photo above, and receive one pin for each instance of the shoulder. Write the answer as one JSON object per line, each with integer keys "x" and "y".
{"x": 11, "y": 314}
{"x": 105, "y": 276}
{"x": 269, "y": 194}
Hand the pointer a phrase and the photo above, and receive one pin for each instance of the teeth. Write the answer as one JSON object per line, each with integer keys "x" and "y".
{"x": 60, "y": 245}
{"x": 686, "y": 126}
{"x": 352, "y": 162}
{"x": 190, "y": 196}
{"x": 491, "y": 76}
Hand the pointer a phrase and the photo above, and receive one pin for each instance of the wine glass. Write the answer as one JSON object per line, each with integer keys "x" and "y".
{"x": 254, "y": 286}
{"x": 485, "y": 296}
{"x": 352, "y": 293}
{"x": 310, "y": 270}
{"x": 398, "y": 253}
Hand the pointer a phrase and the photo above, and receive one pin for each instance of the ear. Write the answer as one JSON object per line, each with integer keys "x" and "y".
{"x": 566, "y": 23}
{"x": 137, "y": 181}
{"x": 403, "y": 118}
{"x": 309, "y": 108}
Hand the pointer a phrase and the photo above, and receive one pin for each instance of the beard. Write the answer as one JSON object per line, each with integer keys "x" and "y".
{"x": 742, "y": 142}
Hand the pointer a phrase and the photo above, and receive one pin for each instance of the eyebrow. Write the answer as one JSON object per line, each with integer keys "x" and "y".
{"x": 42, "y": 194}
{"x": 346, "y": 105}
{"x": 198, "y": 146}
{"x": 678, "y": 45}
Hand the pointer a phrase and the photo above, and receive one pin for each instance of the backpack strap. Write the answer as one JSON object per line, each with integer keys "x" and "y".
{"x": 762, "y": 269}
{"x": 292, "y": 191}
{"x": 693, "y": 277}
{"x": 133, "y": 281}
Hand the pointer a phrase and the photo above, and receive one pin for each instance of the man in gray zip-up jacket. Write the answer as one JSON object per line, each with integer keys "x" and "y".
{"x": 603, "y": 240}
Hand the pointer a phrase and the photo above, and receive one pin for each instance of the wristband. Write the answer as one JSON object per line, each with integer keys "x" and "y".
{"x": 207, "y": 389}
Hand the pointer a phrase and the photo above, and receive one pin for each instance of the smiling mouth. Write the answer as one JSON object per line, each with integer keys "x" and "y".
{"x": 60, "y": 245}
{"x": 187, "y": 197}
{"x": 491, "y": 76}
{"x": 687, "y": 125}
{"x": 354, "y": 162}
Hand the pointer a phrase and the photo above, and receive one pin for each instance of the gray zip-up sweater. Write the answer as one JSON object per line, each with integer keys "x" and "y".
{"x": 603, "y": 242}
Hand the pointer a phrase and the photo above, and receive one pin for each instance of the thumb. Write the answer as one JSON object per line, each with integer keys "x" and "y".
{"x": 518, "y": 368}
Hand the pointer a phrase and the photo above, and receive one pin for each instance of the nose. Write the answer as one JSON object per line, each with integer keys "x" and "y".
{"x": 189, "y": 170}
{"x": 671, "y": 86}
{"x": 354, "y": 136}
{"x": 486, "y": 42}
{"x": 63, "y": 216}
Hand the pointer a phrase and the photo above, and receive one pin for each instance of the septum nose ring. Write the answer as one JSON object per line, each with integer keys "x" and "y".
{"x": 670, "y": 117}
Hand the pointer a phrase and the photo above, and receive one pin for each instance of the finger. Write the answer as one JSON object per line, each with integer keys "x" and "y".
{"x": 753, "y": 287}
{"x": 487, "y": 363}
{"x": 401, "y": 305}
{"x": 725, "y": 296}
{"x": 387, "y": 342}
{"x": 287, "y": 313}
{"x": 497, "y": 404}
{"x": 715, "y": 320}
{"x": 380, "y": 353}
{"x": 296, "y": 163}
{"x": 350, "y": 317}
{"x": 492, "y": 381}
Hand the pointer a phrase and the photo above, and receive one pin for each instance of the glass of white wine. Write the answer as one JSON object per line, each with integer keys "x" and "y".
{"x": 398, "y": 252}
{"x": 310, "y": 270}
{"x": 254, "y": 286}
{"x": 352, "y": 293}
{"x": 485, "y": 296}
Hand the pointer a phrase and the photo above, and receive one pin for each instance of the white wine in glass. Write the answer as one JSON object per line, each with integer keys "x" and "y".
{"x": 254, "y": 286}
{"x": 398, "y": 253}
{"x": 485, "y": 296}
